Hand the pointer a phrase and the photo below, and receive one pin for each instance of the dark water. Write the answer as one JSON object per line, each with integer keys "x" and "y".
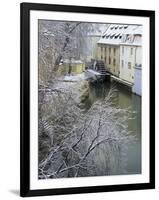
{"x": 124, "y": 99}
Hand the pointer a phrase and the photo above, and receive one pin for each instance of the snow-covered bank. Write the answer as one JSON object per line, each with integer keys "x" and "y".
{"x": 75, "y": 85}
{"x": 88, "y": 74}
{"x": 74, "y": 78}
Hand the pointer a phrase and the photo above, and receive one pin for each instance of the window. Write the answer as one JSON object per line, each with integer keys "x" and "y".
{"x": 122, "y": 63}
{"x": 101, "y": 52}
{"x": 112, "y": 36}
{"x": 107, "y": 36}
{"x": 125, "y": 26}
{"x": 114, "y": 51}
{"x": 114, "y": 62}
{"x": 122, "y": 50}
{"x": 109, "y": 50}
{"x": 131, "y": 51}
{"x": 116, "y": 36}
{"x": 109, "y": 60}
{"x": 129, "y": 65}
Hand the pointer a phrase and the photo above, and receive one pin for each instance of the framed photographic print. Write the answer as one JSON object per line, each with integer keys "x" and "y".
{"x": 87, "y": 99}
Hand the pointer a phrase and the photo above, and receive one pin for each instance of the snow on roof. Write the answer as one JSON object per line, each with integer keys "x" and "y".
{"x": 117, "y": 34}
{"x": 135, "y": 30}
{"x": 138, "y": 30}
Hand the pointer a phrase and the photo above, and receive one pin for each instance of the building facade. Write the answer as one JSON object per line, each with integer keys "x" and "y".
{"x": 109, "y": 48}
{"x": 110, "y": 55}
{"x": 74, "y": 66}
{"x": 137, "y": 81}
{"x": 120, "y": 48}
{"x": 130, "y": 53}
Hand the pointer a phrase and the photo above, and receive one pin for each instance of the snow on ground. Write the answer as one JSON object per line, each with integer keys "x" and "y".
{"x": 62, "y": 85}
{"x": 121, "y": 80}
{"x": 93, "y": 72}
{"x": 75, "y": 78}
{"x": 76, "y": 84}
{"x": 79, "y": 77}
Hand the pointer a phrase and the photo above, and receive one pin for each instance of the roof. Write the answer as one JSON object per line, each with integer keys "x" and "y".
{"x": 117, "y": 34}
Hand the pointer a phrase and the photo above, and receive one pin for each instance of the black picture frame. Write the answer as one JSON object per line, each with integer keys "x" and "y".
{"x": 25, "y": 9}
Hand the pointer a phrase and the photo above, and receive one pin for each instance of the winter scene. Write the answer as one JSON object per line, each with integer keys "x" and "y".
{"x": 89, "y": 99}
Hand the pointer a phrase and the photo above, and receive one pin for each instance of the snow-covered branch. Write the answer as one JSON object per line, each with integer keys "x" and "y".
{"x": 78, "y": 137}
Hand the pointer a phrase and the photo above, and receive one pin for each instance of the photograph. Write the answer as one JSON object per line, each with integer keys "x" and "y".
{"x": 89, "y": 99}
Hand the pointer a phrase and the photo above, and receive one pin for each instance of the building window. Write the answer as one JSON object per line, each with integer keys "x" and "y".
{"x": 114, "y": 62}
{"x": 122, "y": 63}
{"x": 101, "y": 52}
{"x": 125, "y": 26}
{"x": 109, "y": 60}
{"x": 109, "y": 50}
{"x": 131, "y": 51}
{"x": 114, "y": 51}
{"x": 105, "y": 50}
{"x": 129, "y": 65}
{"x": 122, "y": 50}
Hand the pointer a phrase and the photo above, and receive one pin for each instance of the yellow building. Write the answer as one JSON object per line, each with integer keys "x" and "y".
{"x": 109, "y": 47}
{"x": 110, "y": 55}
{"x": 120, "y": 49}
{"x": 77, "y": 67}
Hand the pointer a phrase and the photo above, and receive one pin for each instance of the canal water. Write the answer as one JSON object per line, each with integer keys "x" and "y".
{"x": 124, "y": 99}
